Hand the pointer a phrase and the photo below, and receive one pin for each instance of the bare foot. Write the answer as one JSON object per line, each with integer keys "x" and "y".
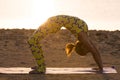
{"x": 35, "y": 71}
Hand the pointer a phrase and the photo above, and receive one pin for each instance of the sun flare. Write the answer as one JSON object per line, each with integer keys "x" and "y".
{"x": 42, "y": 10}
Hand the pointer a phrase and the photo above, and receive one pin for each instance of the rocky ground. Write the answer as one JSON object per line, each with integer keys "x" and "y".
{"x": 15, "y": 52}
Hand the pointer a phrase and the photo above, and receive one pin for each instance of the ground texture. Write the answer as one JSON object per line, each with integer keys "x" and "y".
{"x": 15, "y": 52}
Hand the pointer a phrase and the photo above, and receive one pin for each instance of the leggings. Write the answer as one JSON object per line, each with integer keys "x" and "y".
{"x": 52, "y": 25}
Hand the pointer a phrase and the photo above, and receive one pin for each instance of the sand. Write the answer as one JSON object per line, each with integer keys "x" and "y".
{"x": 15, "y": 52}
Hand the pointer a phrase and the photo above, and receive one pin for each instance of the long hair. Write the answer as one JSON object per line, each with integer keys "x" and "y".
{"x": 69, "y": 48}
{"x": 78, "y": 47}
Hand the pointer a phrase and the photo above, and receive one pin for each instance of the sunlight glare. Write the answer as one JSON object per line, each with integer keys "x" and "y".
{"x": 42, "y": 10}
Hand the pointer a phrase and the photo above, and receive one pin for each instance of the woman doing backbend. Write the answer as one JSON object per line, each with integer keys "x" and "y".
{"x": 76, "y": 26}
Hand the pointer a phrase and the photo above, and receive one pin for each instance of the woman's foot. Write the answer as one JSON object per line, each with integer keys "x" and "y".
{"x": 34, "y": 67}
{"x": 35, "y": 71}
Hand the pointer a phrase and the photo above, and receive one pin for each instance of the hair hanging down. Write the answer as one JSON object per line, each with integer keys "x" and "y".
{"x": 69, "y": 48}
{"x": 78, "y": 47}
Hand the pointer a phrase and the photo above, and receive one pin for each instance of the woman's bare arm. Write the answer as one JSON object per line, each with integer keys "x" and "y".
{"x": 83, "y": 37}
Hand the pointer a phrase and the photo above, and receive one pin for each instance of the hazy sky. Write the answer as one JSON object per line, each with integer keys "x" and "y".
{"x": 98, "y": 14}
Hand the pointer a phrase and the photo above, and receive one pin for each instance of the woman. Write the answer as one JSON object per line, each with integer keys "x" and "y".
{"x": 77, "y": 27}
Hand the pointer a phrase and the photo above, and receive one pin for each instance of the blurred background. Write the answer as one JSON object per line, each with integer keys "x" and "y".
{"x": 29, "y": 14}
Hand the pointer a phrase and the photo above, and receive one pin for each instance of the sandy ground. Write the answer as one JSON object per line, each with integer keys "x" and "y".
{"x": 15, "y": 52}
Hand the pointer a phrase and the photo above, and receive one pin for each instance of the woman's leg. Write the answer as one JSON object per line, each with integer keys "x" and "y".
{"x": 37, "y": 51}
{"x": 36, "y": 48}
